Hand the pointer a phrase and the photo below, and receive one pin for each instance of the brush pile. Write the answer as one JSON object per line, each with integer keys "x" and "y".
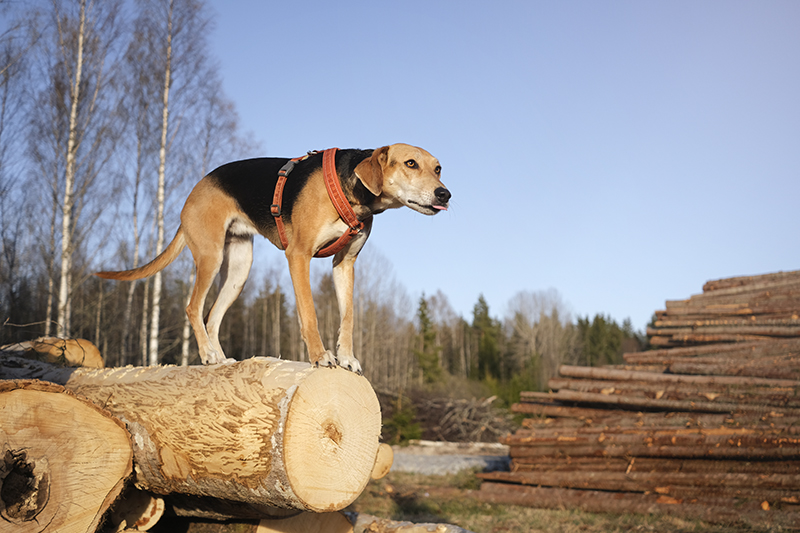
{"x": 707, "y": 429}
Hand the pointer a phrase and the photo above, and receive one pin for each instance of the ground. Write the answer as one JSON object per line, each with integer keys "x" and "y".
{"x": 453, "y": 499}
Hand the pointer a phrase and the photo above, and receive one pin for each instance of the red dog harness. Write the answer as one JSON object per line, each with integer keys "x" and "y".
{"x": 335, "y": 193}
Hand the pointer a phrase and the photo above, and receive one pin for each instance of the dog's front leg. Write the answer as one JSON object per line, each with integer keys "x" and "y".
{"x": 343, "y": 276}
{"x": 299, "y": 267}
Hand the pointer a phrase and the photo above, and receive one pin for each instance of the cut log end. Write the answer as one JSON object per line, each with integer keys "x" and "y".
{"x": 63, "y": 461}
{"x": 331, "y": 439}
{"x": 383, "y": 462}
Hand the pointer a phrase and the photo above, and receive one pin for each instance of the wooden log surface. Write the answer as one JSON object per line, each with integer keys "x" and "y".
{"x": 262, "y": 432}
{"x": 63, "y": 460}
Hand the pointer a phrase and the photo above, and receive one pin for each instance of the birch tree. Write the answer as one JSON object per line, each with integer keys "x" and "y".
{"x": 540, "y": 334}
{"x": 178, "y": 26}
{"x": 74, "y": 128}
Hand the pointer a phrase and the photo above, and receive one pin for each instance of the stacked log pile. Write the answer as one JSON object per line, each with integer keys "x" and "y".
{"x": 709, "y": 431}
{"x": 740, "y": 309}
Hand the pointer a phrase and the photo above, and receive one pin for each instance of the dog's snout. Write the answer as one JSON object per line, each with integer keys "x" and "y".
{"x": 442, "y": 194}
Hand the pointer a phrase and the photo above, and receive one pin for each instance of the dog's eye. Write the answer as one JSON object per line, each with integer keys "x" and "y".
{"x": 438, "y": 170}
{"x": 411, "y": 163}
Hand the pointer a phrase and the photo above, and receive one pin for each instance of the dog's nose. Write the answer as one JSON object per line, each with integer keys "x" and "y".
{"x": 442, "y": 194}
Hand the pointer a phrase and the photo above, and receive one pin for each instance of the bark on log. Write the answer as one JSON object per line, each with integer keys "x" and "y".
{"x": 661, "y": 464}
{"x": 751, "y": 395}
{"x": 630, "y": 402}
{"x": 726, "y": 510}
{"x": 632, "y": 375}
{"x": 773, "y": 278}
{"x": 661, "y": 482}
{"x": 263, "y": 432}
{"x": 750, "y": 350}
{"x": 64, "y": 460}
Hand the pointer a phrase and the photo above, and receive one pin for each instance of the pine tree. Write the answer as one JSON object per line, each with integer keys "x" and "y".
{"x": 488, "y": 334}
{"x": 429, "y": 352}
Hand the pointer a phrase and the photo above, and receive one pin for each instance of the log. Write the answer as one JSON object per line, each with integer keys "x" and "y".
{"x": 137, "y": 510}
{"x": 773, "y": 487}
{"x": 71, "y": 352}
{"x": 337, "y": 522}
{"x": 752, "y": 395}
{"x": 636, "y": 403}
{"x": 748, "y": 350}
{"x": 724, "y": 332}
{"x": 383, "y": 461}
{"x": 725, "y": 510}
{"x": 590, "y": 372}
{"x": 648, "y": 464}
{"x": 773, "y": 278}
{"x": 263, "y": 433}
{"x": 64, "y": 460}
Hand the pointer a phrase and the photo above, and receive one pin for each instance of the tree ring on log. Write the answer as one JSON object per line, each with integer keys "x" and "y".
{"x": 331, "y": 427}
{"x": 24, "y": 486}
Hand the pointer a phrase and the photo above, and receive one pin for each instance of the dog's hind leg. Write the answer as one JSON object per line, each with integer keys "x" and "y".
{"x": 236, "y": 263}
{"x": 207, "y": 259}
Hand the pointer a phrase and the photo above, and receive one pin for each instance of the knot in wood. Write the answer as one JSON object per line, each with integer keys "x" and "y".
{"x": 24, "y": 493}
{"x": 333, "y": 432}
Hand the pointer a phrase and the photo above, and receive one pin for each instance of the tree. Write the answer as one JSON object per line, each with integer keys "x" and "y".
{"x": 488, "y": 335}
{"x": 176, "y": 29}
{"x": 601, "y": 341}
{"x": 541, "y": 335}
{"x": 15, "y": 300}
{"x": 75, "y": 129}
{"x": 429, "y": 352}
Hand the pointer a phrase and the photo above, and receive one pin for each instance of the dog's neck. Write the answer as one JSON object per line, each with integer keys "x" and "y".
{"x": 364, "y": 202}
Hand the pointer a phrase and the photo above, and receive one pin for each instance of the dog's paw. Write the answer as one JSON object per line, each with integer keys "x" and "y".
{"x": 213, "y": 357}
{"x": 327, "y": 359}
{"x": 349, "y": 362}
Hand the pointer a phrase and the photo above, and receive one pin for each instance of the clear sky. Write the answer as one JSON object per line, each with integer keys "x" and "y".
{"x": 620, "y": 152}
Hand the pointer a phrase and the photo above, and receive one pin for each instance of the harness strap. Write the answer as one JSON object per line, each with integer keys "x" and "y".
{"x": 335, "y": 193}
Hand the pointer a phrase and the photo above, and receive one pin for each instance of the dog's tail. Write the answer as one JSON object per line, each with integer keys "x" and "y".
{"x": 166, "y": 257}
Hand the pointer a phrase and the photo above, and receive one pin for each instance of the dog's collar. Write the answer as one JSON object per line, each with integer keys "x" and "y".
{"x": 335, "y": 193}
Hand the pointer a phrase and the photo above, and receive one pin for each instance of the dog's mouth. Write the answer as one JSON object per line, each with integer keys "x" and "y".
{"x": 428, "y": 209}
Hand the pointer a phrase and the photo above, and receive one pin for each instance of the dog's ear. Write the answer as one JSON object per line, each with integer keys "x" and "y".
{"x": 370, "y": 170}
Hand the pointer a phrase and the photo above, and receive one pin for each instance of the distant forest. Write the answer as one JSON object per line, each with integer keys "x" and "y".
{"x": 109, "y": 113}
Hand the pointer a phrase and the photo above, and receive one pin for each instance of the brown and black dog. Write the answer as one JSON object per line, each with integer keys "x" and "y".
{"x": 232, "y": 203}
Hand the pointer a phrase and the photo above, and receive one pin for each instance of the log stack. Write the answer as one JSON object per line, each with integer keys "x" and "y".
{"x": 751, "y": 308}
{"x": 704, "y": 430}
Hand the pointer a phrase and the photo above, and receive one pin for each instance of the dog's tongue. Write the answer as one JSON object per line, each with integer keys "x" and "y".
{"x": 440, "y": 207}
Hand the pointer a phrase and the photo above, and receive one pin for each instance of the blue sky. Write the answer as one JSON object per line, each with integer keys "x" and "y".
{"x": 622, "y": 153}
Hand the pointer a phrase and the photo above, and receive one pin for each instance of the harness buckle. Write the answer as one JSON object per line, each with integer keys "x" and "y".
{"x": 285, "y": 169}
{"x": 275, "y": 209}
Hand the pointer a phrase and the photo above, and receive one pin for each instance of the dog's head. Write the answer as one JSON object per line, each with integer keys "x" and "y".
{"x": 401, "y": 174}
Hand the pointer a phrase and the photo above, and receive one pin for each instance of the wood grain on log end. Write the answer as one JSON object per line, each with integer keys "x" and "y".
{"x": 63, "y": 461}
{"x": 331, "y": 438}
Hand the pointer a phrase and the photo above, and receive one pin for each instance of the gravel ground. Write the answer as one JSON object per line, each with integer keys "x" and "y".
{"x": 428, "y": 457}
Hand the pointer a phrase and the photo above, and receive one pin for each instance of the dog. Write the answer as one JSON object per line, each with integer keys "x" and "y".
{"x": 287, "y": 202}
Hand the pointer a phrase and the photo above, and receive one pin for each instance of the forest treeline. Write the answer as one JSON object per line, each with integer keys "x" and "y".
{"x": 110, "y": 111}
